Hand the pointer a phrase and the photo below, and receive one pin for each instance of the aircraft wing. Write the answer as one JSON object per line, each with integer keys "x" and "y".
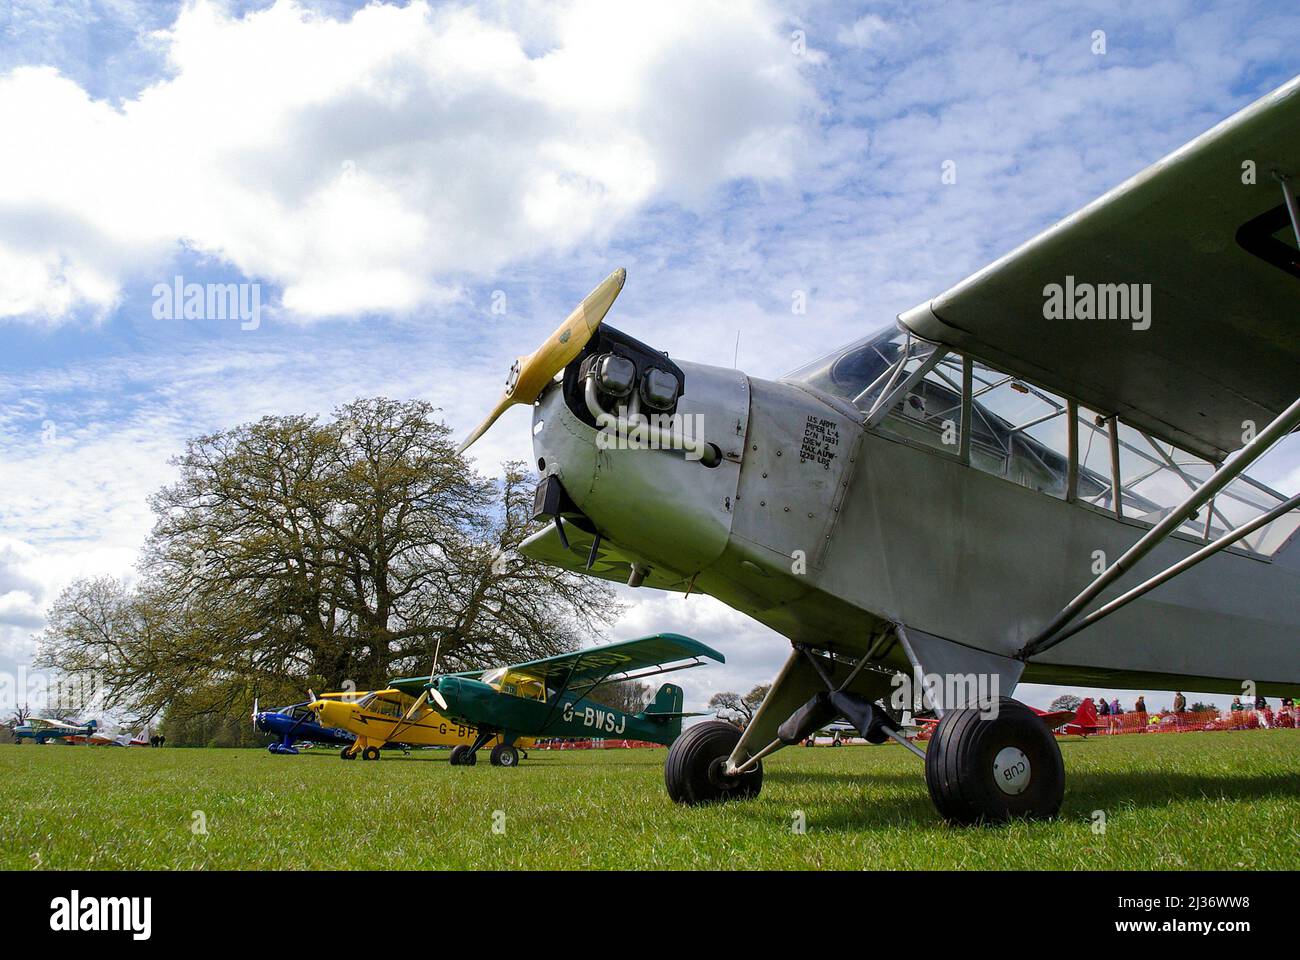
{"x": 414, "y": 686}
{"x": 41, "y": 725}
{"x": 1053, "y": 719}
{"x": 1207, "y": 228}
{"x": 646, "y": 656}
{"x": 1056, "y": 718}
{"x": 611, "y": 563}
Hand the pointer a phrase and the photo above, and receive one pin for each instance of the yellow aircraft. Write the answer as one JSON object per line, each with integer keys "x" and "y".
{"x": 390, "y": 716}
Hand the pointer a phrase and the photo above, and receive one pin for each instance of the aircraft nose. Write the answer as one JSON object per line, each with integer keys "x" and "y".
{"x": 660, "y": 489}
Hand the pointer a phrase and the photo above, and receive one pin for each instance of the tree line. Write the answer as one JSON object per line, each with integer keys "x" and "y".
{"x": 301, "y": 552}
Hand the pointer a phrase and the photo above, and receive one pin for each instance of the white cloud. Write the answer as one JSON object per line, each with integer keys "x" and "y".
{"x": 363, "y": 165}
{"x": 863, "y": 32}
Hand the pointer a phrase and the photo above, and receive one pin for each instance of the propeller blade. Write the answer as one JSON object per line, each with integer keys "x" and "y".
{"x": 311, "y": 695}
{"x": 532, "y": 373}
{"x": 437, "y": 698}
{"x": 255, "y": 711}
{"x": 419, "y": 702}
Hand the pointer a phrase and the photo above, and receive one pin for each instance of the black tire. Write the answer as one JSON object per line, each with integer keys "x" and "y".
{"x": 370, "y": 753}
{"x": 693, "y": 770}
{"x": 457, "y": 752}
{"x": 504, "y": 756}
{"x": 993, "y": 769}
{"x": 347, "y": 754}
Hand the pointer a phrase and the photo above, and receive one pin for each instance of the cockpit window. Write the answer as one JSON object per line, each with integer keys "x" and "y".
{"x": 375, "y": 703}
{"x": 850, "y": 370}
{"x": 516, "y": 684}
{"x": 1021, "y": 432}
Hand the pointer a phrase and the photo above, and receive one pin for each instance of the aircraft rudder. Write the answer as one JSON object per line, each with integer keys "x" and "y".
{"x": 666, "y": 709}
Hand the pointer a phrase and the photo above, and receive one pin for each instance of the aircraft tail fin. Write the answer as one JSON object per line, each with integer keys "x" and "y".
{"x": 666, "y": 709}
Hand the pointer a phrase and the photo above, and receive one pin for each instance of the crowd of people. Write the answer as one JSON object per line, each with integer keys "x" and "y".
{"x": 1105, "y": 714}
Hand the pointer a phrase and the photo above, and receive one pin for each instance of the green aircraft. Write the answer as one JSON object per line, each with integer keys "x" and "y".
{"x": 548, "y": 698}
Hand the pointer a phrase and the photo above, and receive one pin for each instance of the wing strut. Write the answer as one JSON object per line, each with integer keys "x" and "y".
{"x": 1051, "y": 635}
{"x": 1289, "y": 199}
{"x": 1182, "y": 565}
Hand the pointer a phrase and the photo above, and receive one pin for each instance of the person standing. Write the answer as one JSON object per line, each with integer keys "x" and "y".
{"x": 1180, "y": 702}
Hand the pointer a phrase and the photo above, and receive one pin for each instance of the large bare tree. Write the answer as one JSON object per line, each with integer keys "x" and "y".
{"x": 292, "y": 552}
{"x": 731, "y": 706}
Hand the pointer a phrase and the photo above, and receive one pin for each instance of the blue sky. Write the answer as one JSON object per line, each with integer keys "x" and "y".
{"x": 383, "y": 174}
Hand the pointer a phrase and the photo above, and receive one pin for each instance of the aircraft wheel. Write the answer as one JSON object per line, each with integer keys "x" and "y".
{"x": 504, "y": 756}
{"x": 347, "y": 754}
{"x": 458, "y": 755}
{"x": 982, "y": 769}
{"x": 693, "y": 770}
{"x": 370, "y": 753}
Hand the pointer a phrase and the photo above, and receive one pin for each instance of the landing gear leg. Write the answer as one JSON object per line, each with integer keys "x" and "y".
{"x": 987, "y": 766}
{"x": 463, "y": 756}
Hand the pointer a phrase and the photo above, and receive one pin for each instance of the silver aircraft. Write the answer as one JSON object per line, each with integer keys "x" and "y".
{"x": 1038, "y": 475}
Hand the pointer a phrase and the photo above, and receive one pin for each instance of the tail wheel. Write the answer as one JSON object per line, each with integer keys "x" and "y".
{"x": 370, "y": 753}
{"x": 694, "y": 770}
{"x": 991, "y": 769}
{"x": 504, "y": 756}
{"x": 347, "y": 754}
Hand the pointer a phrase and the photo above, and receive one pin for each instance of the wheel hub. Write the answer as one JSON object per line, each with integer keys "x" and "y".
{"x": 1011, "y": 771}
{"x": 718, "y": 774}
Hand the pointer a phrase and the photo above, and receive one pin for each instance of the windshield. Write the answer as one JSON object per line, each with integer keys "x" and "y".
{"x": 850, "y": 370}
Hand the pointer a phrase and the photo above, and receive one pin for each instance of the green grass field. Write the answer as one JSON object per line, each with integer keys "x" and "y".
{"x": 1199, "y": 800}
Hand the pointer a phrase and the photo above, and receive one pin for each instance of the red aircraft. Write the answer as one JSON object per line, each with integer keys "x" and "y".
{"x": 1080, "y": 722}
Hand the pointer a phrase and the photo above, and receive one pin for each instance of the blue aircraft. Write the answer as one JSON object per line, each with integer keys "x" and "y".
{"x": 42, "y": 730}
{"x": 296, "y": 723}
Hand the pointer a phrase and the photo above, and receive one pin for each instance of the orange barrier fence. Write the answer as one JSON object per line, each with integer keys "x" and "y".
{"x": 1170, "y": 722}
{"x": 599, "y": 745}
{"x": 1203, "y": 720}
